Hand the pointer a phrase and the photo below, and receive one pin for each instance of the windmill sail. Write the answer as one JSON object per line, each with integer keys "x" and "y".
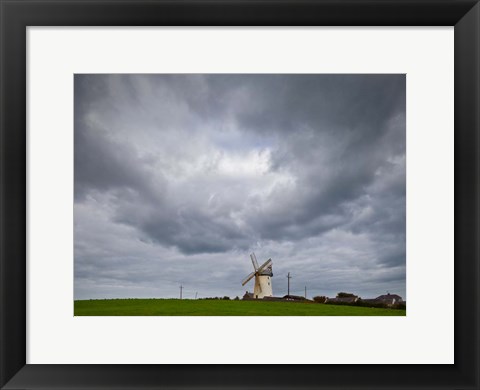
{"x": 254, "y": 261}
{"x": 248, "y": 278}
{"x": 265, "y": 266}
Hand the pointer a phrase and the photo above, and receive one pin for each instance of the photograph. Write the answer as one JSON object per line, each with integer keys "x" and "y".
{"x": 239, "y": 195}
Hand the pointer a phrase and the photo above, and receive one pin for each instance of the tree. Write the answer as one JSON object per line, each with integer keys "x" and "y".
{"x": 346, "y": 295}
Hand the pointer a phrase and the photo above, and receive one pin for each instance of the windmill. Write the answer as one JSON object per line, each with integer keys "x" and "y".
{"x": 263, "y": 283}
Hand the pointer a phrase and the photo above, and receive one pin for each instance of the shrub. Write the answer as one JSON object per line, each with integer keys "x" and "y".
{"x": 320, "y": 299}
{"x": 340, "y": 303}
{"x": 400, "y": 306}
{"x": 346, "y": 295}
{"x": 380, "y": 305}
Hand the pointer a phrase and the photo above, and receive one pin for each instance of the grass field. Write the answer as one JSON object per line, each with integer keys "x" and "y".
{"x": 176, "y": 307}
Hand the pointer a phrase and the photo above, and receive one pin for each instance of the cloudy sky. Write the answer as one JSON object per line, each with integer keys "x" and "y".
{"x": 179, "y": 177}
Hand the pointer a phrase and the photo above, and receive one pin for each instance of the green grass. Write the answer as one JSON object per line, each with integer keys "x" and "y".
{"x": 176, "y": 307}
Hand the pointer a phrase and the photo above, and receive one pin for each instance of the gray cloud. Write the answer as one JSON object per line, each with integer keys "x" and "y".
{"x": 179, "y": 177}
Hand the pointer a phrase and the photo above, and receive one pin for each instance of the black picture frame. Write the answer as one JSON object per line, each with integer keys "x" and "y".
{"x": 16, "y": 15}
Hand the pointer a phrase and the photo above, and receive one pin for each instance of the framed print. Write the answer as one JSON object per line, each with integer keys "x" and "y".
{"x": 154, "y": 152}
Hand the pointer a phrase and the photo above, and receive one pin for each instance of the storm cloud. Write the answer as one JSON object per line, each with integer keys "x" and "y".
{"x": 179, "y": 177}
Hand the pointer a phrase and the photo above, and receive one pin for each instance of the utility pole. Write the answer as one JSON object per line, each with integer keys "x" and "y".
{"x": 196, "y": 295}
{"x": 181, "y": 288}
{"x": 305, "y": 292}
{"x": 288, "y": 277}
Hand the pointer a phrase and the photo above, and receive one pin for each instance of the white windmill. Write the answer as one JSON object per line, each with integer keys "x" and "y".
{"x": 263, "y": 274}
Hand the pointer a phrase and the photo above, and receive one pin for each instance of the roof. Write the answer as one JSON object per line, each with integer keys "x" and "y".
{"x": 388, "y": 297}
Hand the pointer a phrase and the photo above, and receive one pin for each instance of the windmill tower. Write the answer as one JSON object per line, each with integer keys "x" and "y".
{"x": 263, "y": 274}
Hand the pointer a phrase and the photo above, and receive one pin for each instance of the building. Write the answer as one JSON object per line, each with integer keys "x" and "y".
{"x": 294, "y": 298}
{"x": 389, "y": 299}
{"x": 247, "y": 296}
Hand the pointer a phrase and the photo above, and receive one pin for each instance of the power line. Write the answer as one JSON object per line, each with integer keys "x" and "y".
{"x": 288, "y": 278}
